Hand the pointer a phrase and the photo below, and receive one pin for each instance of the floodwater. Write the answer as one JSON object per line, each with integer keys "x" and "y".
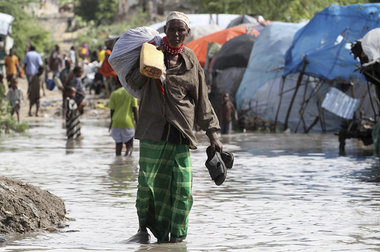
{"x": 284, "y": 193}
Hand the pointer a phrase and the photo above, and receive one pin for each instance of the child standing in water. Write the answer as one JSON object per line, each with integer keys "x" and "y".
{"x": 72, "y": 114}
{"x": 123, "y": 118}
{"x": 36, "y": 84}
{"x": 15, "y": 96}
{"x": 79, "y": 87}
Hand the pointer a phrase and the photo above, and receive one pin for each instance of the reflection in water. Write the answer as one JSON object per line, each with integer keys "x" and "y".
{"x": 285, "y": 192}
{"x": 174, "y": 247}
{"x": 122, "y": 176}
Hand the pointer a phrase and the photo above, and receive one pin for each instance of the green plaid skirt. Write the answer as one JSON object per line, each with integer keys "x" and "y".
{"x": 164, "y": 197}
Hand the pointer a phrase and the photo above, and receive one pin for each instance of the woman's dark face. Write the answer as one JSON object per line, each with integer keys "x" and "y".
{"x": 176, "y": 32}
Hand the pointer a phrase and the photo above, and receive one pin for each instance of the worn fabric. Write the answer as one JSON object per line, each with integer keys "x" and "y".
{"x": 122, "y": 135}
{"x": 15, "y": 96}
{"x": 185, "y": 101}
{"x": 179, "y": 16}
{"x": 106, "y": 69}
{"x": 35, "y": 86}
{"x": 80, "y": 90}
{"x": 32, "y": 60}
{"x": 225, "y": 127}
{"x": 55, "y": 61}
{"x": 72, "y": 119}
{"x": 164, "y": 196}
{"x": 122, "y": 103}
{"x": 64, "y": 76}
{"x": 101, "y": 55}
{"x": 11, "y": 63}
{"x": 72, "y": 56}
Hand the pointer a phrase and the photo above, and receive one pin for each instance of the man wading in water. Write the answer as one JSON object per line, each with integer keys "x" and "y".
{"x": 165, "y": 129}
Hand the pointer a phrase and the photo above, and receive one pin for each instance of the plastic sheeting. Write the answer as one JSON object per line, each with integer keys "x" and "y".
{"x": 244, "y": 19}
{"x": 126, "y": 51}
{"x": 340, "y": 104}
{"x": 371, "y": 45}
{"x": 235, "y": 52}
{"x": 199, "y": 46}
{"x": 266, "y": 59}
{"x": 325, "y": 42}
{"x": 5, "y": 23}
{"x": 201, "y": 31}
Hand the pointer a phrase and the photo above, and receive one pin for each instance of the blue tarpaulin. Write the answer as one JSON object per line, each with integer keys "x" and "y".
{"x": 267, "y": 59}
{"x": 325, "y": 42}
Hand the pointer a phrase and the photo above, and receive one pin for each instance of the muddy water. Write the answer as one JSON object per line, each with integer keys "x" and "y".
{"x": 284, "y": 193}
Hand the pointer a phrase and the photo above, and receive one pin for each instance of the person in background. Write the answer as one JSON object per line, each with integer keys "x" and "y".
{"x": 32, "y": 61}
{"x": 64, "y": 77}
{"x": 226, "y": 111}
{"x": 83, "y": 54}
{"x": 108, "y": 73}
{"x": 79, "y": 88}
{"x": 15, "y": 97}
{"x": 12, "y": 66}
{"x": 36, "y": 84}
{"x": 101, "y": 54}
{"x": 72, "y": 56}
{"x": 2, "y": 88}
{"x": 55, "y": 61}
{"x": 124, "y": 117}
{"x": 167, "y": 114}
{"x": 73, "y": 129}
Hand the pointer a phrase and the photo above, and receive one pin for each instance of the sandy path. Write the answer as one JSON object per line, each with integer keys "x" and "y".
{"x": 50, "y": 105}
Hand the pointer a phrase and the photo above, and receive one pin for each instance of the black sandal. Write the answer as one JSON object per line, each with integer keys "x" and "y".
{"x": 228, "y": 159}
{"x": 216, "y": 166}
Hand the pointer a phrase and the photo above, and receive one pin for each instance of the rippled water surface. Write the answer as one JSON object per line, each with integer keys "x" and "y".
{"x": 284, "y": 193}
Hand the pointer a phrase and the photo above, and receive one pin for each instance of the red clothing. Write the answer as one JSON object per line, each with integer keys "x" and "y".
{"x": 106, "y": 69}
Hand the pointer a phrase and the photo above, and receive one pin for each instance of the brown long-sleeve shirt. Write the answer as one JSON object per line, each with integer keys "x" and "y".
{"x": 185, "y": 101}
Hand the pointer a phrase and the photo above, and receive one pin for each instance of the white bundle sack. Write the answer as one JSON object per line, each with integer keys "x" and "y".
{"x": 126, "y": 52}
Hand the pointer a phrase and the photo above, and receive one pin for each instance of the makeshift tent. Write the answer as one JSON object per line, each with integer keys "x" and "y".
{"x": 199, "y": 46}
{"x": 295, "y": 102}
{"x": 325, "y": 42}
{"x": 228, "y": 66}
{"x": 266, "y": 59}
{"x": 243, "y": 19}
{"x": 201, "y": 19}
{"x": 225, "y": 81}
{"x": 264, "y": 97}
{"x": 235, "y": 52}
{"x": 201, "y": 31}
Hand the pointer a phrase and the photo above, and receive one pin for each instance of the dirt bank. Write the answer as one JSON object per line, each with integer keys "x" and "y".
{"x": 26, "y": 208}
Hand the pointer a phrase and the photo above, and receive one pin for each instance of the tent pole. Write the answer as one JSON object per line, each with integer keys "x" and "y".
{"x": 312, "y": 124}
{"x": 279, "y": 104}
{"x": 303, "y": 107}
{"x": 370, "y": 99}
{"x": 320, "y": 111}
{"x": 300, "y": 76}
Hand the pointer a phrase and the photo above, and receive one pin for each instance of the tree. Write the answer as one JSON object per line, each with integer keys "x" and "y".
{"x": 99, "y": 11}
{"x": 24, "y": 28}
{"x": 279, "y": 10}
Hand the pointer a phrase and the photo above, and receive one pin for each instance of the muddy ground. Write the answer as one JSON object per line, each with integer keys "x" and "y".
{"x": 24, "y": 207}
{"x": 27, "y": 208}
